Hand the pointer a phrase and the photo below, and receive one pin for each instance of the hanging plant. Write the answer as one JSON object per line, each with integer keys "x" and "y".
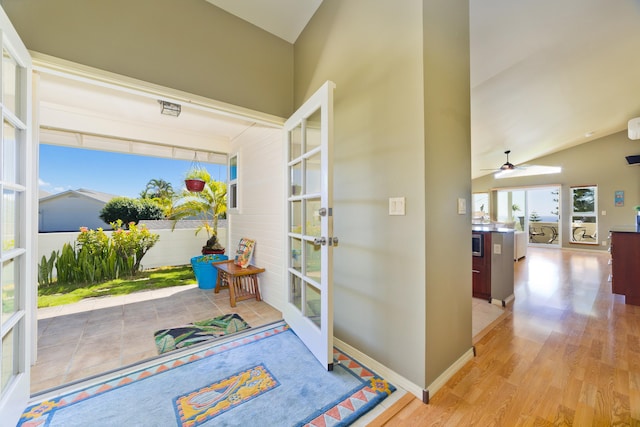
{"x": 194, "y": 181}
{"x": 194, "y": 185}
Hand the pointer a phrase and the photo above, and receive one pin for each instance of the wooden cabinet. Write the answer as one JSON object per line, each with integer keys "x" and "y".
{"x": 625, "y": 265}
{"x": 481, "y": 270}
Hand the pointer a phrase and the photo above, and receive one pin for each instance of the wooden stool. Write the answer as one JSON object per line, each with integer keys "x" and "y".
{"x": 242, "y": 282}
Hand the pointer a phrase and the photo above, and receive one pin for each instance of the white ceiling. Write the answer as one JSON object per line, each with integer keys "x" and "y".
{"x": 544, "y": 74}
{"x": 284, "y": 18}
{"x": 547, "y": 73}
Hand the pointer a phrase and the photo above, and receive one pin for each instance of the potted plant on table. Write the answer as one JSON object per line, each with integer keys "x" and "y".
{"x": 207, "y": 206}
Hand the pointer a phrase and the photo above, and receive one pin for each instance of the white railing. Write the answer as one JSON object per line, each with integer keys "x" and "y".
{"x": 173, "y": 248}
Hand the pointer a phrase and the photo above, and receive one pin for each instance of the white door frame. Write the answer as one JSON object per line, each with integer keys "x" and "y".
{"x": 18, "y": 236}
{"x": 309, "y": 190}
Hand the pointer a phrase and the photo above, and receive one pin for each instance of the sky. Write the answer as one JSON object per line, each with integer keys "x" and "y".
{"x": 66, "y": 168}
{"x": 540, "y": 200}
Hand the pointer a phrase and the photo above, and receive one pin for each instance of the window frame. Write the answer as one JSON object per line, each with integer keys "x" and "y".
{"x": 233, "y": 187}
{"x": 584, "y": 231}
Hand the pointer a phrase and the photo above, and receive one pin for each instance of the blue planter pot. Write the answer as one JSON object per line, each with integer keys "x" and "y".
{"x": 206, "y": 274}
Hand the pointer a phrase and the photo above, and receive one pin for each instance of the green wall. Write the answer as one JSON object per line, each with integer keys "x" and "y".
{"x": 403, "y": 283}
{"x": 447, "y": 163}
{"x": 402, "y": 287}
{"x": 189, "y": 45}
{"x": 600, "y": 162}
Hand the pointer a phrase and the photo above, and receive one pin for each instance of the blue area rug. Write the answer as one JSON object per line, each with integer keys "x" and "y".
{"x": 265, "y": 378}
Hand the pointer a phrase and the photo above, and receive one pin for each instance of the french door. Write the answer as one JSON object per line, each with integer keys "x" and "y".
{"x": 310, "y": 240}
{"x": 17, "y": 186}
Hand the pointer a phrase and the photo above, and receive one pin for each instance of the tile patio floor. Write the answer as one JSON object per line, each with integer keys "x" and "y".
{"x": 91, "y": 337}
{"x": 77, "y": 341}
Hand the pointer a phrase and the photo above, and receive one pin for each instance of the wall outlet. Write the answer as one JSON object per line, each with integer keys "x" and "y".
{"x": 497, "y": 248}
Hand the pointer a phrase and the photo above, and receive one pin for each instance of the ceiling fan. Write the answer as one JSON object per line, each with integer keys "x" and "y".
{"x": 507, "y": 166}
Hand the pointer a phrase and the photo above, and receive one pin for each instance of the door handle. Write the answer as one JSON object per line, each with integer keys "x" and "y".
{"x": 320, "y": 241}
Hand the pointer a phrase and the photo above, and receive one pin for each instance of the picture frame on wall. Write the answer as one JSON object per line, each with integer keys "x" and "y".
{"x": 618, "y": 198}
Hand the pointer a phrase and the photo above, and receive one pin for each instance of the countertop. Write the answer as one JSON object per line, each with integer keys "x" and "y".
{"x": 491, "y": 228}
{"x": 624, "y": 229}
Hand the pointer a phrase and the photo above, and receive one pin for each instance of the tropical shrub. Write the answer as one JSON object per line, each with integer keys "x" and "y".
{"x": 130, "y": 210}
{"x": 95, "y": 257}
{"x": 133, "y": 244}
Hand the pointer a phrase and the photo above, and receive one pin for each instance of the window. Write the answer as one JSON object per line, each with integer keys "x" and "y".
{"x": 480, "y": 207}
{"x": 232, "y": 194}
{"x": 584, "y": 217}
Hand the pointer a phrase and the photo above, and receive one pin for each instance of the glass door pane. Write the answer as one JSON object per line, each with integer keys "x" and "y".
{"x": 584, "y": 215}
{"x": 543, "y": 216}
{"x": 309, "y": 310}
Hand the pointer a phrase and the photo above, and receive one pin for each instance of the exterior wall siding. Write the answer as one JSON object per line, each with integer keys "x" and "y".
{"x": 261, "y": 200}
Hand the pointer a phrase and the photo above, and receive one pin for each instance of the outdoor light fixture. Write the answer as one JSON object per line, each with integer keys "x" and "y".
{"x": 169, "y": 108}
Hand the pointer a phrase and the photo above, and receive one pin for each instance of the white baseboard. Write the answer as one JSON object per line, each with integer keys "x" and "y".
{"x": 397, "y": 379}
{"x": 386, "y": 373}
{"x": 450, "y": 372}
{"x": 504, "y": 302}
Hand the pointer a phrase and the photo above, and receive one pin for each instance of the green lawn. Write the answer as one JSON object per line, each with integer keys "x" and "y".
{"x": 149, "y": 279}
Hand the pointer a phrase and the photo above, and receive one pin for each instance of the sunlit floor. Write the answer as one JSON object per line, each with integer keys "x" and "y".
{"x": 566, "y": 353}
{"x": 94, "y": 336}
{"x": 484, "y": 316}
{"x": 77, "y": 341}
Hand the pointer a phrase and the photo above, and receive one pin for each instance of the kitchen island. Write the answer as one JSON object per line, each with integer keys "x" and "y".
{"x": 492, "y": 266}
{"x": 624, "y": 245}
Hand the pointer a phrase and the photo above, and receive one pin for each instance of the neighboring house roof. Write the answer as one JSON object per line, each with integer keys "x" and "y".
{"x": 96, "y": 195}
{"x": 69, "y": 210}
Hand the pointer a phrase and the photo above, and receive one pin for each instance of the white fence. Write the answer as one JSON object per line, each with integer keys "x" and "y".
{"x": 173, "y": 248}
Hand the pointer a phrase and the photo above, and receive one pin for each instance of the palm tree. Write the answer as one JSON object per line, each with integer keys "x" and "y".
{"x": 161, "y": 192}
{"x": 207, "y": 206}
{"x": 157, "y": 188}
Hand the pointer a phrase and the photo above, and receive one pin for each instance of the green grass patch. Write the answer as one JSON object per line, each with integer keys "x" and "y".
{"x": 56, "y": 294}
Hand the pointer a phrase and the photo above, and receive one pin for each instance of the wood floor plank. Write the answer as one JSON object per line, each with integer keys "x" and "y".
{"x": 566, "y": 354}
{"x": 398, "y": 406}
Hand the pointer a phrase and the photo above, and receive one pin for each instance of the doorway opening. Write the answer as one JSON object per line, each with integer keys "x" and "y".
{"x": 79, "y": 111}
{"x": 535, "y": 210}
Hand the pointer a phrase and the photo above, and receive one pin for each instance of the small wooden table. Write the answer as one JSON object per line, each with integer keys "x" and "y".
{"x": 242, "y": 282}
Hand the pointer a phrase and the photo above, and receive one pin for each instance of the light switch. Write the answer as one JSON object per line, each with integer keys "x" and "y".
{"x": 462, "y": 206}
{"x": 497, "y": 248}
{"x": 396, "y": 206}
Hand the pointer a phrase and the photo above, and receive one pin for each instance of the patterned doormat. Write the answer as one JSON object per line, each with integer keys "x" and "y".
{"x": 198, "y": 332}
{"x": 266, "y": 378}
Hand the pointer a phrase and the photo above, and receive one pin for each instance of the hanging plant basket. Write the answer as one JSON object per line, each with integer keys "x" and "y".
{"x": 194, "y": 185}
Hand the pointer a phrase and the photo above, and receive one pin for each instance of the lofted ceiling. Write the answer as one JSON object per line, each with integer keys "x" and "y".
{"x": 546, "y": 75}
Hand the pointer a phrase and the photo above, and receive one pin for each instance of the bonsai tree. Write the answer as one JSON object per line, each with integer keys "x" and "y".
{"x": 516, "y": 208}
{"x": 534, "y": 217}
{"x": 207, "y": 206}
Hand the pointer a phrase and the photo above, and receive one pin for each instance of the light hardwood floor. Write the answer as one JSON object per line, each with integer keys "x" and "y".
{"x": 567, "y": 353}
